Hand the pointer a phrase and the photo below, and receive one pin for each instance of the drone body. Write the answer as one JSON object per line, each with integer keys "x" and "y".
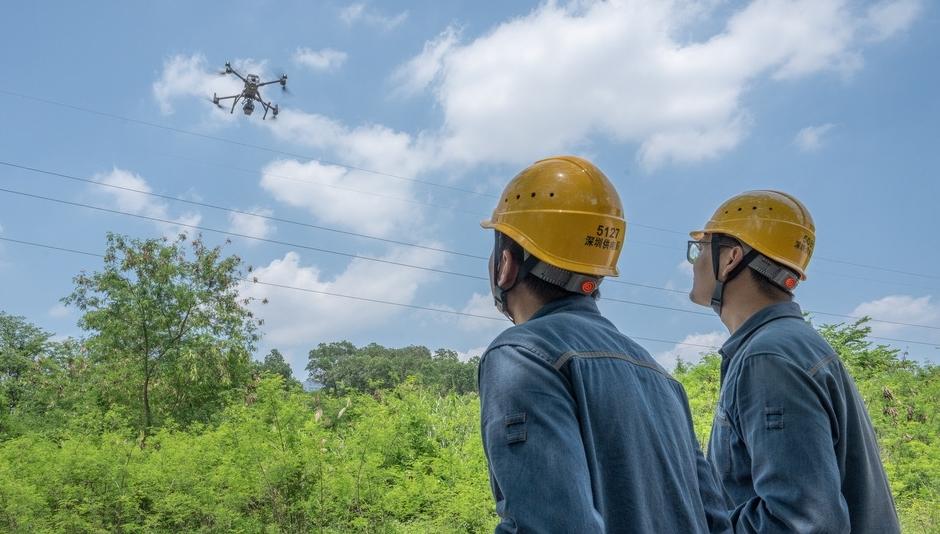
{"x": 250, "y": 94}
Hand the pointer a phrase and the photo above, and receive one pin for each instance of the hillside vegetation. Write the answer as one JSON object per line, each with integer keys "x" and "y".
{"x": 157, "y": 419}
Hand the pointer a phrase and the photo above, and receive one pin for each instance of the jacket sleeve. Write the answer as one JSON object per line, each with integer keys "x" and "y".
{"x": 532, "y": 440}
{"x": 714, "y": 500}
{"x": 788, "y": 425}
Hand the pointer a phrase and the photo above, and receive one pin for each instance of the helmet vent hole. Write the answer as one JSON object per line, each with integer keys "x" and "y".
{"x": 518, "y": 196}
{"x": 551, "y": 194}
{"x": 507, "y": 199}
{"x": 739, "y": 209}
{"x": 533, "y": 195}
{"x": 753, "y": 207}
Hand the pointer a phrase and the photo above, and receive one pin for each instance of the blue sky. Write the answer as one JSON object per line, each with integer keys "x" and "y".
{"x": 681, "y": 103}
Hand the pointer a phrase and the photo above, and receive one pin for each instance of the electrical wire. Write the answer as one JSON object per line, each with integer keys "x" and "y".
{"x": 254, "y": 280}
{"x": 242, "y": 144}
{"x": 366, "y": 170}
{"x": 425, "y": 308}
{"x": 368, "y": 258}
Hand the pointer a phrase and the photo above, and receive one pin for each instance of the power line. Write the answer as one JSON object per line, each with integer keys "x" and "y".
{"x": 261, "y": 216}
{"x": 321, "y": 184}
{"x": 234, "y": 210}
{"x": 876, "y": 280}
{"x": 284, "y": 243}
{"x": 368, "y": 258}
{"x": 362, "y": 169}
{"x": 876, "y": 268}
{"x": 872, "y": 319}
{"x": 297, "y": 245}
{"x": 373, "y": 193}
{"x": 51, "y": 247}
{"x": 404, "y": 243}
{"x": 345, "y": 232}
{"x": 236, "y": 234}
{"x": 442, "y": 310}
{"x": 351, "y": 297}
{"x": 174, "y": 129}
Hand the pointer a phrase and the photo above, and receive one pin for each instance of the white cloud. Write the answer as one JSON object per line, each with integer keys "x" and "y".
{"x": 190, "y": 76}
{"x": 691, "y": 348}
{"x": 359, "y": 12}
{"x": 322, "y": 60}
{"x": 885, "y": 19}
{"x": 685, "y": 268}
{"x": 470, "y": 353}
{"x": 810, "y": 139}
{"x": 555, "y": 78}
{"x": 370, "y": 146}
{"x": 899, "y": 308}
{"x": 342, "y": 208}
{"x": 295, "y": 318}
{"x": 478, "y": 304}
{"x": 415, "y": 75}
{"x": 142, "y": 204}
{"x": 59, "y": 311}
{"x": 248, "y": 224}
{"x": 399, "y": 156}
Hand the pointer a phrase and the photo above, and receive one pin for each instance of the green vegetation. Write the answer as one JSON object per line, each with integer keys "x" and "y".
{"x": 157, "y": 420}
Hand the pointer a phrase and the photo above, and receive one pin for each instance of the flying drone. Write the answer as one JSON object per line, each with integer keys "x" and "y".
{"x": 250, "y": 93}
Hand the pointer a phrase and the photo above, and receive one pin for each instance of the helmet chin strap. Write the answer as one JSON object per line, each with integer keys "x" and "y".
{"x": 718, "y": 294}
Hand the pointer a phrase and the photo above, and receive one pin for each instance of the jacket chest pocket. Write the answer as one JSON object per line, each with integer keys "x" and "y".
{"x": 719, "y": 444}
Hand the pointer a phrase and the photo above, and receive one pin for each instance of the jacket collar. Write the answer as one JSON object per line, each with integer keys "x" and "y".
{"x": 572, "y": 303}
{"x": 759, "y": 319}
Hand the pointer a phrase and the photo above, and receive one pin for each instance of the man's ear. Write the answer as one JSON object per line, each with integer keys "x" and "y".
{"x": 729, "y": 261}
{"x": 508, "y": 270}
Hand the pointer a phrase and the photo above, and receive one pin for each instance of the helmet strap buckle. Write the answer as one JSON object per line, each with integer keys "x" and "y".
{"x": 781, "y": 277}
{"x": 570, "y": 281}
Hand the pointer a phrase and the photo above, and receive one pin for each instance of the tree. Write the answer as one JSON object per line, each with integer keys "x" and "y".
{"x": 342, "y": 366}
{"x": 275, "y": 364}
{"x": 21, "y": 343}
{"x": 168, "y": 328}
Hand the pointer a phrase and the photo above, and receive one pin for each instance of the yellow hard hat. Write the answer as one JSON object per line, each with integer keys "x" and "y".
{"x": 775, "y": 224}
{"x": 565, "y": 212}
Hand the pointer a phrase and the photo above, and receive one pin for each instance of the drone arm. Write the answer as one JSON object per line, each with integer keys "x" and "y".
{"x": 235, "y": 72}
{"x": 226, "y": 97}
{"x": 233, "y": 103}
{"x": 268, "y": 83}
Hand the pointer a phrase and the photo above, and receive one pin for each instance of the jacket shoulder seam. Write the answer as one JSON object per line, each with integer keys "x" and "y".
{"x": 567, "y": 356}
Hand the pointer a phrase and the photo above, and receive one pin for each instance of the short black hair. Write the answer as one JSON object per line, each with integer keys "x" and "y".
{"x": 768, "y": 288}
{"x": 764, "y": 285}
{"x": 544, "y": 291}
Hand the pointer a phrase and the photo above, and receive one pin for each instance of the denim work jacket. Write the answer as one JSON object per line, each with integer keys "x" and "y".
{"x": 792, "y": 440}
{"x": 584, "y": 432}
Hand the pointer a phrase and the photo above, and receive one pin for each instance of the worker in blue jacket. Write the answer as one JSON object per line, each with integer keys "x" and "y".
{"x": 583, "y": 431}
{"x": 791, "y": 440}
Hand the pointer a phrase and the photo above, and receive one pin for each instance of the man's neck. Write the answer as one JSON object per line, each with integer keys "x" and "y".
{"x": 522, "y": 304}
{"x": 739, "y": 308}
